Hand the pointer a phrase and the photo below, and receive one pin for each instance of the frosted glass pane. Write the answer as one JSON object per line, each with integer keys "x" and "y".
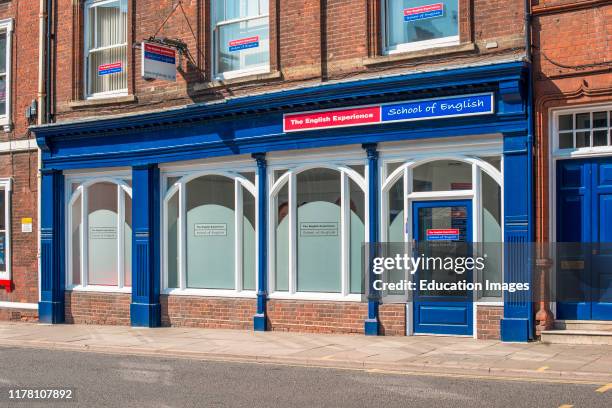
{"x": 442, "y": 175}
{"x": 76, "y": 241}
{"x": 491, "y": 232}
{"x": 172, "y": 258}
{"x": 395, "y": 233}
{"x": 127, "y": 242}
{"x": 434, "y": 26}
{"x": 210, "y": 233}
{"x": 248, "y": 237}
{"x": 254, "y": 53}
{"x": 357, "y": 237}
{"x": 102, "y": 234}
{"x": 318, "y": 231}
{"x": 282, "y": 240}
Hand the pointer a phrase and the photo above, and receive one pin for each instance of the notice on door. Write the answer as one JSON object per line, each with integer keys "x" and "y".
{"x": 210, "y": 230}
{"x": 318, "y": 229}
{"x": 102, "y": 232}
{"x": 448, "y": 234}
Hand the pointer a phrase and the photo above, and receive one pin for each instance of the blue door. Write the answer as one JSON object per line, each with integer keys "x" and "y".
{"x": 584, "y": 216}
{"x": 435, "y": 225}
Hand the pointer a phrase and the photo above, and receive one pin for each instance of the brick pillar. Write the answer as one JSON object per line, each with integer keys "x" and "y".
{"x": 372, "y": 323}
{"x": 145, "y": 309}
{"x": 52, "y": 277}
{"x": 260, "y": 321}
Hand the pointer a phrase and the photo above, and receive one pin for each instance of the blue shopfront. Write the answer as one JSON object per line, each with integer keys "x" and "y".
{"x": 271, "y": 196}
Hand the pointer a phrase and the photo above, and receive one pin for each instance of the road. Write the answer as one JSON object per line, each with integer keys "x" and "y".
{"x": 107, "y": 380}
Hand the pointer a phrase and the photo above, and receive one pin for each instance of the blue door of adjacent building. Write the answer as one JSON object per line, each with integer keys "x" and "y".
{"x": 584, "y": 215}
{"x": 442, "y": 229}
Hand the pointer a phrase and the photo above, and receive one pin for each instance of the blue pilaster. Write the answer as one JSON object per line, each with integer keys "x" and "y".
{"x": 260, "y": 320}
{"x": 372, "y": 324}
{"x": 517, "y": 323}
{"x": 52, "y": 277}
{"x": 145, "y": 309}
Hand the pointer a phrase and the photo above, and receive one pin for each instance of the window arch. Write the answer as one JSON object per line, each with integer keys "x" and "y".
{"x": 448, "y": 177}
{"x": 209, "y": 232}
{"x": 100, "y": 234}
{"x": 317, "y": 228}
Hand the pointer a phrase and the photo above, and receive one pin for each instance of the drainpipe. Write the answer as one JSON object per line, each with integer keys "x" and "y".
{"x": 48, "y": 59}
{"x": 41, "y": 117}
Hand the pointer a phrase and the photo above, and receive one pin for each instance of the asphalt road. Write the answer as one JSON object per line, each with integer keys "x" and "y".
{"x": 105, "y": 380}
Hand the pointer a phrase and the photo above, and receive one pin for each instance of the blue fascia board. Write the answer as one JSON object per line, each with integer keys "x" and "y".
{"x": 254, "y": 123}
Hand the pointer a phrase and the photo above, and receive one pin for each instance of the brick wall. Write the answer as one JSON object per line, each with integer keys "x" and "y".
{"x": 98, "y": 308}
{"x": 208, "y": 312}
{"x": 488, "y": 321}
{"x": 19, "y": 165}
{"x": 317, "y": 40}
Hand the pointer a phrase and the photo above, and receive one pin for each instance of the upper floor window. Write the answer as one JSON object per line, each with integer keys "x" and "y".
{"x": 105, "y": 47}
{"x": 584, "y": 128}
{"x": 418, "y": 24}
{"x": 241, "y": 40}
{"x": 6, "y": 29}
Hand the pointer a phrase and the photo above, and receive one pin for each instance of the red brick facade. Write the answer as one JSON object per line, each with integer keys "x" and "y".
{"x": 571, "y": 63}
{"x": 19, "y": 160}
{"x": 487, "y": 322}
{"x": 98, "y": 308}
{"x": 209, "y": 312}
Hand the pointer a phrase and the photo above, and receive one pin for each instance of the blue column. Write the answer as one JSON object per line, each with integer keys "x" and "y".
{"x": 372, "y": 324}
{"x": 52, "y": 276}
{"x": 145, "y": 309}
{"x": 517, "y": 323}
{"x": 260, "y": 320}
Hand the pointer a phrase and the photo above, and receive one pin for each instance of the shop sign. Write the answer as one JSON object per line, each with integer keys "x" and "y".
{"x": 158, "y": 62}
{"x": 424, "y": 109}
{"x": 318, "y": 229}
{"x": 103, "y": 232}
{"x": 448, "y": 234}
{"x": 423, "y": 12}
{"x": 106, "y": 69}
{"x": 210, "y": 230}
{"x": 244, "y": 43}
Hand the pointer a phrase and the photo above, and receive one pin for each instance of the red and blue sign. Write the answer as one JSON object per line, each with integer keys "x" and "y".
{"x": 106, "y": 69}
{"x": 162, "y": 54}
{"x": 424, "y": 109}
{"x": 424, "y": 12}
{"x": 244, "y": 43}
{"x": 448, "y": 234}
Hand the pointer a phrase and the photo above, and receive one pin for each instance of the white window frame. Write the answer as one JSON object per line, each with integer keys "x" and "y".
{"x": 6, "y": 25}
{"x": 84, "y": 181}
{"x": 292, "y": 165}
{"x": 89, "y": 5}
{"x": 410, "y": 154}
{"x": 186, "y": 172}
{"x": 417, "y": 45}
{"x": 6, "y": 185}
{"x": 589, "y": 151}
{"x": 220, "y": 76}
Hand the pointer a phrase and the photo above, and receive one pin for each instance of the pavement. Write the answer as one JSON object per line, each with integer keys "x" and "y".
{"x": 435, "y": 355}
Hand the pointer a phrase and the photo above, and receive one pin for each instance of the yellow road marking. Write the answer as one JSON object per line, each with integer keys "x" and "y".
{"x": 604, "y": 388}
{"x": 542, "y": 369}
{"x": 565, "y": 406}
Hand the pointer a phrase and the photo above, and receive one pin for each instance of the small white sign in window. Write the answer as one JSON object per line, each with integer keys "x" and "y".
{"x": 318, "y": 229}
{"x": 102, "y": 232}
{"x": 210, "y": 230}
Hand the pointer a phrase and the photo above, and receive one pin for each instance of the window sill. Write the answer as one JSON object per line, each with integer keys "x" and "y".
{"x": 415, "y": 55}
{"x": 94, "y": 102}
{"x": 216, "y": 84}
{"x": 103, "y": 289}
{"x": 251, "y": 294}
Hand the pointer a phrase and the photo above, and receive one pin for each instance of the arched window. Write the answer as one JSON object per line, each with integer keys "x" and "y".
{"x": 318, "y": 224}
{"x": 477, "y": 179}
{"x": 210, "y": 233}
{"x": 100, "y": 227}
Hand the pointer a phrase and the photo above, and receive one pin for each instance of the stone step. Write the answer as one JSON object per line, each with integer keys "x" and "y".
{"x": 577, "y": 337}
{"x": 589, "y": 325}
